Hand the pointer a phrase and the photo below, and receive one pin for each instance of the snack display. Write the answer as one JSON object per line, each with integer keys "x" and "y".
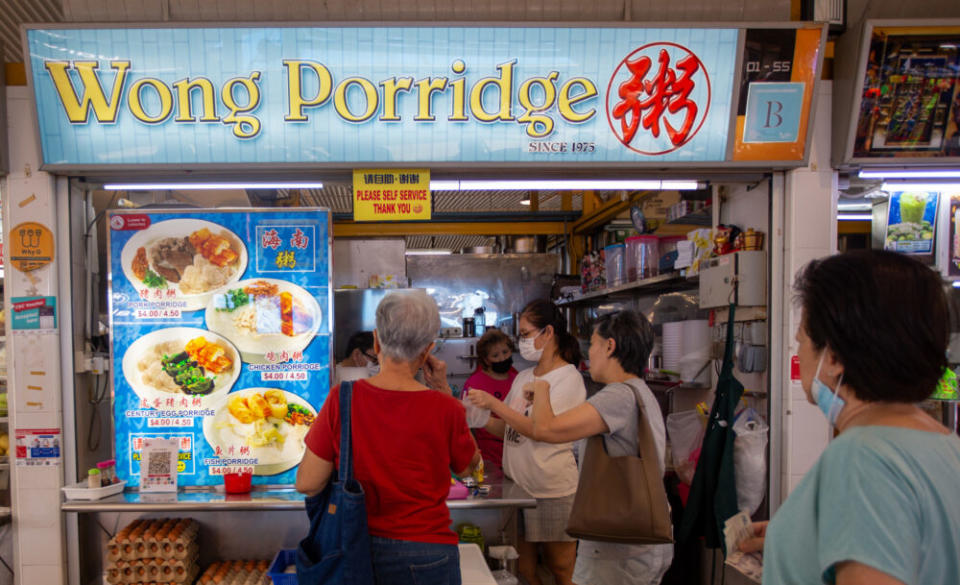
{"x": 236, "y": 573}
{"x": 154, "y": 551}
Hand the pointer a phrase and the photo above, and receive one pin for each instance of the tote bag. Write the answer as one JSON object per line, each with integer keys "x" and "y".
{"x": 337, "y": 548}
{"x": 622, "y": 499}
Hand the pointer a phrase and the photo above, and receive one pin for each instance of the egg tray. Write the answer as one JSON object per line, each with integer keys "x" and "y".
{"x": 174, "y": 538}
{"x": 248, "y": 572}
{"x": 152, "y": 571}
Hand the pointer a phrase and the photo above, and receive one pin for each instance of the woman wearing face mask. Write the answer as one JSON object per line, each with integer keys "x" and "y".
{"x": 546, "y": 471}
{"x": 619, "y": 348}
{"x": 494, "y": 375}
{"x": 880, "y": 505}
{"x": 361, "y": 361}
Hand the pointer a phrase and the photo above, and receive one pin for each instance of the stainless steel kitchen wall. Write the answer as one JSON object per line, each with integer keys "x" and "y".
{"x": 500, "y": 283}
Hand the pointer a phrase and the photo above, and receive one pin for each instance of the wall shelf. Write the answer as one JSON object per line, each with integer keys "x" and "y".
{"x": 657, "y": 284}
{"x": 701, "y": 218}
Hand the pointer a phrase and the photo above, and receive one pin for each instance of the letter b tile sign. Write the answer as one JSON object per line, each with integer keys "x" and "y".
{"x": 773, "y": 112}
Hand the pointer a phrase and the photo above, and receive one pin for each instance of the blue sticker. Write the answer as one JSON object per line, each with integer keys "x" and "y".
{"x": 773, "y": 112}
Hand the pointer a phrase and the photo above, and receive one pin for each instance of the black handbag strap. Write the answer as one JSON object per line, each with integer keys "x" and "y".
{"x": 345, "y": 471}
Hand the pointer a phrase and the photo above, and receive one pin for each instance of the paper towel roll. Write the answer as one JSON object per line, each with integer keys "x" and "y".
{"x": 695, "y": 351}
{"x": 672, "y": 345}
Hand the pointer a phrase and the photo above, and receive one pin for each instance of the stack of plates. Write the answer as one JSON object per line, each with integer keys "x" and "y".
{"x": 695, "y": 350}
{"x": 672, "y": 345}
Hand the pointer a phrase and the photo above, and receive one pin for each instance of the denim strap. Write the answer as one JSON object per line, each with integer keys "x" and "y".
{"x": 345, "y": 472}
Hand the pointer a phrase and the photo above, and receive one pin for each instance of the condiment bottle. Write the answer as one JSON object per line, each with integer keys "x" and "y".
{"x": 93, "y": 478}
{"x": 108, "y": 473}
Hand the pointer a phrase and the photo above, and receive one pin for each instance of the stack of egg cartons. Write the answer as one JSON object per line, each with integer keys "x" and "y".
{"x": 236, "y": 573}
{"x": 162, "y": 551}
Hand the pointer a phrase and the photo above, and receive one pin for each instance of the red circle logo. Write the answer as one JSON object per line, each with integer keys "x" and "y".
{"x": 658, "y": 98}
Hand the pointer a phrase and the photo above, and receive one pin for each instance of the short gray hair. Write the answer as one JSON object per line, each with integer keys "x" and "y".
{"x": 407, "y": 322}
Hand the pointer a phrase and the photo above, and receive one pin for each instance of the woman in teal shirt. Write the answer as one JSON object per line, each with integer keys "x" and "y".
{"x": 882, "y": 504}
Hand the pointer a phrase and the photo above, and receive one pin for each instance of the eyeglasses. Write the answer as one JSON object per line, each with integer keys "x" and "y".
{"x": 372, "y": 358}
{"x": 529, "y": 334}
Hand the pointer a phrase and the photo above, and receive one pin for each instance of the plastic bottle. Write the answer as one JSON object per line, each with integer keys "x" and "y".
{"x": 93, "y": 478}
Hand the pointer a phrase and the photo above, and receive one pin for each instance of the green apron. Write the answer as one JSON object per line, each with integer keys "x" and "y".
{"x": 713, "y": 494}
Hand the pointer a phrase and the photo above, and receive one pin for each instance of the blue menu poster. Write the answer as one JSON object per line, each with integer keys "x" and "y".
{"x": 220, "y": 329}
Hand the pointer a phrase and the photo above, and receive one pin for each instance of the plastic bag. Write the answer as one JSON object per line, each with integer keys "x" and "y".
{"x": 476, "y": 417}
{"x": 685, "y": 430}
{"x": 750, "y": 459}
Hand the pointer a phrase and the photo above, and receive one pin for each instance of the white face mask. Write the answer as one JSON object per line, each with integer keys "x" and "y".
{"x": 372, "y": 368}
{"x": 527, "y": 349}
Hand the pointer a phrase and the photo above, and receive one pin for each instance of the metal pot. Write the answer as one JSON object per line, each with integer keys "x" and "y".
{"x": 477, "y": 250}
{"x": 526, "y": 245}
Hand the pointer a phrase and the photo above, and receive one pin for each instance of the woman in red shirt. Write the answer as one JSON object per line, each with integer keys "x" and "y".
{"x": 494, "y": 375}
{"x": 406, "y": 440}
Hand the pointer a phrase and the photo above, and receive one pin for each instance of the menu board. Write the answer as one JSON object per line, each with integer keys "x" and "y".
{"x": 220, "y": 329}
{"x": 910, "y": 101}
{"x": 911, "y": 222}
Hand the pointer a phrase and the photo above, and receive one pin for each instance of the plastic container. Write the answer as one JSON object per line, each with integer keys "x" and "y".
{"x": 108, "y": 472}
{"x": 643, "y": 257}
{"x": 237, "y": 483}
{"x": 615, "y": 263}
{"x": 284, "y": 559}
{"x": 80, "y": 491}
{"x": 668, "y": 252}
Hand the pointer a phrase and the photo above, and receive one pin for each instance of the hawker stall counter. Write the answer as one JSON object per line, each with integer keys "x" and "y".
{"x": 503, "y": 494}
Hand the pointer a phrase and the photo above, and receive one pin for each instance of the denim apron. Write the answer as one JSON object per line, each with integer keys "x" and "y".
{"x": 337, "y": 548}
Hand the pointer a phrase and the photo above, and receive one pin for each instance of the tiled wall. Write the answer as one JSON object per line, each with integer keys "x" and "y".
{"x": 810, "y": 232}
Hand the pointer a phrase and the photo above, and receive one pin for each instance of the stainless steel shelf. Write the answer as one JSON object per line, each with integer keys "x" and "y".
{"x": 702, "y": 218}
{"x": 661, "y": 283}
{"x": 502, "y": 495}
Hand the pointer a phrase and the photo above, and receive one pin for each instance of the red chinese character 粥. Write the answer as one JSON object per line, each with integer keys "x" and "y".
{"x": 297, "y": 356}
{"x": 645, "y": 100}
{"x": 185, "y": 443}
{"x": 270, "y": 239}
{"x": 299, "y": 239}
{"x": 244, "y": 450}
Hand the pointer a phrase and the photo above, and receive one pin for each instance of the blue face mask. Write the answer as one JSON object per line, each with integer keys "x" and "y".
{"x": 828, "y": 401}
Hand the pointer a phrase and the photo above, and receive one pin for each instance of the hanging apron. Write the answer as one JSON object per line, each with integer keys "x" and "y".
{"x": 713, "y": 494}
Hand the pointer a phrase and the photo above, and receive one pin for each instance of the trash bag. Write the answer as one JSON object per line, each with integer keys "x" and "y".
{"x": 685, "y": 430}
{"x": 750, "y": 459}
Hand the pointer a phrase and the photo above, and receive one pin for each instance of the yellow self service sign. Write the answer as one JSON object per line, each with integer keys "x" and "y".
{"x": 391, "y": 194}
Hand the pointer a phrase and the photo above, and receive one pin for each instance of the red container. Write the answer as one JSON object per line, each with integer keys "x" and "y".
{"x": 237, "y": 483}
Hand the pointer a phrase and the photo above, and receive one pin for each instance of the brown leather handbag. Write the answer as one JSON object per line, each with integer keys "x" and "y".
{"x": 622, "y": 499}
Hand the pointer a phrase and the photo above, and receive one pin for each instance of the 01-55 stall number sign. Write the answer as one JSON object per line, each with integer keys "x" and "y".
{"x": 221, "y": 338}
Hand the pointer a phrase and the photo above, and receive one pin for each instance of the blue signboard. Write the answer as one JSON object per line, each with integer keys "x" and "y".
{"x": 188, "y": 97}
{"x": 221, "y": 338}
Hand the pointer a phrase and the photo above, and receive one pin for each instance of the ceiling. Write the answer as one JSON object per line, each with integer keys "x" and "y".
{"x": 13, "y": 13}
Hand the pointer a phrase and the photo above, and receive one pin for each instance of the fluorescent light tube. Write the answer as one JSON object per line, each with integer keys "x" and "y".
{"x": 428, "y": 252}
{"x": 854, "y": 207}
{"x": 855, "y": 217}
{"x": 202, "y": 185}
{"x": 561, "y": 185}
{"x": 937, "y": 187}
{"x": 909, "y": 174}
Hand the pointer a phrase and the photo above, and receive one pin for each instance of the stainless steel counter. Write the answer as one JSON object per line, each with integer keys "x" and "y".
{"x": 503, "y": 494}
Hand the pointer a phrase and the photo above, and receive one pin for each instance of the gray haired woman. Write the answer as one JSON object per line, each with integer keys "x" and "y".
{"x": 407, "y": 438}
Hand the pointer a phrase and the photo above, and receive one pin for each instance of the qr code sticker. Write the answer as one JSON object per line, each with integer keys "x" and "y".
{"x": 159, "y": 463}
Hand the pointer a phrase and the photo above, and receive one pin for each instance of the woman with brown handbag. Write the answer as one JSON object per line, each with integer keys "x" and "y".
{"x": 619, "y": 348}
